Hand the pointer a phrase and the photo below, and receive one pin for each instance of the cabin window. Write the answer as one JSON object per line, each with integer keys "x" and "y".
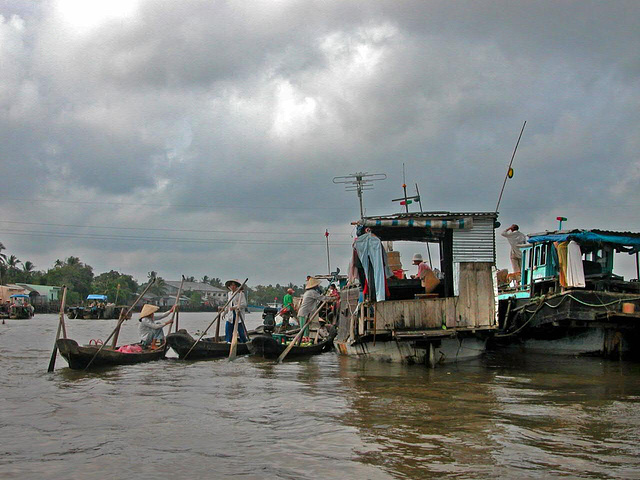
{"x": 536, "y": 256}
{"x": 530, "y": 258}
{"x": 543, "y": 255}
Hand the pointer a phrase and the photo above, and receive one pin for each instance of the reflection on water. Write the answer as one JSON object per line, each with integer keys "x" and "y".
{"x": 334, "y": 417}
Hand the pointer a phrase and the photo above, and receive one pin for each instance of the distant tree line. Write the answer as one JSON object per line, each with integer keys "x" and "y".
{"x": 119, "y": 287}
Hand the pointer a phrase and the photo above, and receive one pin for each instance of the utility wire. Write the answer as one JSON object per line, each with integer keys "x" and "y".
{"x": 243, "y": 241}
{"x": 112, "y": 227}
{"x": 132, "y": 204}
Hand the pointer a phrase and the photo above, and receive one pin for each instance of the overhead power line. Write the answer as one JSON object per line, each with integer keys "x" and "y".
{"x": 113, "y": 227}
{"x": 242, "y": 241}
{"x": 170, "y": 205}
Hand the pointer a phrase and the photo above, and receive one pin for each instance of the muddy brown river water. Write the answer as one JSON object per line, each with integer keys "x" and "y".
{"x": 328, "y": 417}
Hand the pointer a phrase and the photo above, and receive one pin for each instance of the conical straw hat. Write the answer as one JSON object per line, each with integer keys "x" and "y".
{"x": 311, "y": 283}
{"x": 233, "y": 280}
{"x": 148, "y": 310}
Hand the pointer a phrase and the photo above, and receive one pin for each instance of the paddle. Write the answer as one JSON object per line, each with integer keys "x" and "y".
{"x": 54, "y": 354}
{"x": 120, "y": 322}
{"x": 234, "y": 340}
{"x": 297, "y": 338}
{"x": 216, "y": 319}
{"x": 177, "y": 305}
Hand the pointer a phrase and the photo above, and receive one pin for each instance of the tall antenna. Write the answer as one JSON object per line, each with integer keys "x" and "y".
{"x": 359, "y": 182}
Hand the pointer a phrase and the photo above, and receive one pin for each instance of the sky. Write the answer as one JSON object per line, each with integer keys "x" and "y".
{"x": 201, "y": 137}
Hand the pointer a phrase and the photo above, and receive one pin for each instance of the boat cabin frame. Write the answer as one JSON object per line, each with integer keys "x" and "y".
{"x": 466, "y": 298}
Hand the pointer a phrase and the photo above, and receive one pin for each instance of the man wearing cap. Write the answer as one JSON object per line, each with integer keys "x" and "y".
{"x": 235, "y": 311}
{"x": 287, "y": 310}
{"x": 515, "y": 238}
{"x": 311, "y": 300}
{"x": 151, "y": 330}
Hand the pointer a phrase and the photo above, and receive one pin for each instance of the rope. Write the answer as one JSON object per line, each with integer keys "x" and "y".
{"x": 544, "y": 302}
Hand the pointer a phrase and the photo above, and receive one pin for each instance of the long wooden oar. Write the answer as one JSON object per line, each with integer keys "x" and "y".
{"x": 300, "y": 333}
{"x": 234, "y": 339}
{"x": 120, "y": 322}
{"x": 177, "y": 306}
{"x": 54, "y": 354}
{"x": 220, "y": 312}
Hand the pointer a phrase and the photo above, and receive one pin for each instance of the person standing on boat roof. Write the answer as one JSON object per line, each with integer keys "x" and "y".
{"x": 151, "y": 329}
{"x": 235, "y": 312}
{"x": 311, "y": 300}
{"x": 515, "y": 237}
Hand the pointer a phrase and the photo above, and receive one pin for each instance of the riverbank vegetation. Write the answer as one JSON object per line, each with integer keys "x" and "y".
{"x": 79, "y": 277}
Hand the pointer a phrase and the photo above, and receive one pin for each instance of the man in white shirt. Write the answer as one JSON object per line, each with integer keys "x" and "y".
{"x": 515, "y": 237}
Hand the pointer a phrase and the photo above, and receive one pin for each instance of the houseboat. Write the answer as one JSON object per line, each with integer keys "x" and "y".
{"x": 97, "y": 308}
{"x": 569, "y": 300}
{"x": 20, "y": 308}
{"x": 385, "y": 316}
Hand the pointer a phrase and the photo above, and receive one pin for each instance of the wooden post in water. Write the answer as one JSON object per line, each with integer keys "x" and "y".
{"x": 54, "y": 354}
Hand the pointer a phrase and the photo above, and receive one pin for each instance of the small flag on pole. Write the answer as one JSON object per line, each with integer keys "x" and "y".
{"x": 326, "y": 233}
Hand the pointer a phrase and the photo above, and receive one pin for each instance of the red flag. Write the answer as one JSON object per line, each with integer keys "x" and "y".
{"x": 326, "y": 233}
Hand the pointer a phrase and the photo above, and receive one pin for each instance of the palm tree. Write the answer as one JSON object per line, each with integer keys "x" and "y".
{"x": 27, "y": 270}
{"x": 59, "y": 263}
{"x": 3, "y": 257}
{"x": 73, "y": 261}
{"x": 12, "y": 263}
{"x": 205, "y": 279}
{"x": 159, "y": 288}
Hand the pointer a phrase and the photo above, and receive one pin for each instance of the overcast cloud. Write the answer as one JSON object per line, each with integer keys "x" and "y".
{"x": 201, "y": 137}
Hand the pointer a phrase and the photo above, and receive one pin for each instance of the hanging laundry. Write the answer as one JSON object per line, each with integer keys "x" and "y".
{"x": 575, "y": 268}
{"x": 561, "y": 249}
{"x": 370, "y": 252}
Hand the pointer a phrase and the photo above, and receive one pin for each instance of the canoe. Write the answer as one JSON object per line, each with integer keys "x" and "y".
{"x": 268, "y": 347}
{"x": 78, "y": 356}
{"x": 181, "y": 343}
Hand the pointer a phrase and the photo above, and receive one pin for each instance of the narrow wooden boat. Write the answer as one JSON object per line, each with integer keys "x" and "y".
{"x": 79, "y": 356}
{"x": 268, "y": 346}
{"x": 181, "y": 342}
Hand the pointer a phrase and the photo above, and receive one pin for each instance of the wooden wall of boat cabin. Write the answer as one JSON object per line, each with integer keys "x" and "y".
{"x": 348, "y": 305}
{"x": 418, "y": 314}
{"x": 476, "y": 306}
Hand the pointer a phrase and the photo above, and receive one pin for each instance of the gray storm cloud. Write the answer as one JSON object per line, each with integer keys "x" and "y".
{"x": 233, "y": 117}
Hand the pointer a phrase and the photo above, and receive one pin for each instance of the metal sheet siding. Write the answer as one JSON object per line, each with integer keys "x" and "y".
{"x": 477, "y": 244}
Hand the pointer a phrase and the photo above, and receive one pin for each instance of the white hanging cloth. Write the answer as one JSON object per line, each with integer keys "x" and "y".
{"x": 575, "y": 270}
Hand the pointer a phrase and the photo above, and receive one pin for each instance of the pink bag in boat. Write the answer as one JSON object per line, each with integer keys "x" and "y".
{"x": 130, "y": 349}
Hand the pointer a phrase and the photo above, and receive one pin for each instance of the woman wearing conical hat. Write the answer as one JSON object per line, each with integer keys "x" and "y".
{"x": 235, "y": 312}
{"x": 311, "y": 300}
{"x": 151, "y": 329}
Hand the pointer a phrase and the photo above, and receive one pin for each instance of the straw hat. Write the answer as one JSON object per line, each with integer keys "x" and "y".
{"x": 233, "y": 280}
{"x": 148, "y": 310}
{"x": 417, "y": 257}
{"x": 312, "y": 283}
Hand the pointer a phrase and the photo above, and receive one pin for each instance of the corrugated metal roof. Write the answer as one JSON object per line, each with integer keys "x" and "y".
{"x": 477, "y": 244}
{"x": 439, "y": 215}
{"x": 578, "y": 230}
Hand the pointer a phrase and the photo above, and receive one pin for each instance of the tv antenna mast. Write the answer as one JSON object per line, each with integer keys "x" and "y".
{"x": 359, "y": 182}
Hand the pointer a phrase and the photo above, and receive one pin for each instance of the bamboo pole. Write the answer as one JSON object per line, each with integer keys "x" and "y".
{"x": 217, "y": 318}
{"x": 234, "y": 339}
{"x": 295, "y": 340}
{"x": 54, "y": 353}
{"x": 120, "y": 322}
{"x": 176, "y": 304}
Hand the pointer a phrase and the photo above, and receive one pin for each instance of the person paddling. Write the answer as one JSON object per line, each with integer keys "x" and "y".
{"x": 151, "y": 329}
{"x": 235, "y": 312}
